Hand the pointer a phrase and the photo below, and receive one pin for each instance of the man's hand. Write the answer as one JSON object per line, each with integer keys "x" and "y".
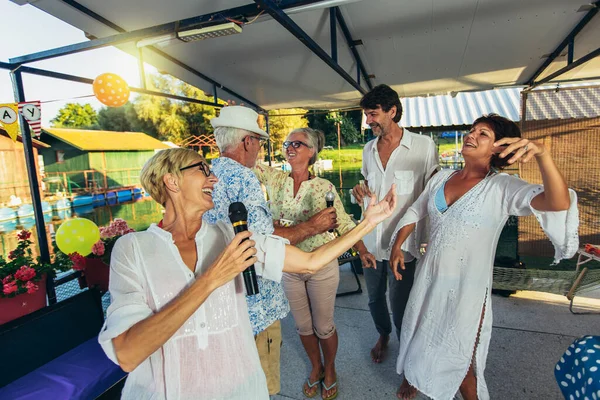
{"x": 323, "y": 220}
{"x": 361, "y": 191}
{"x": 397, "y": 260}
{"x": 368, "y": 260}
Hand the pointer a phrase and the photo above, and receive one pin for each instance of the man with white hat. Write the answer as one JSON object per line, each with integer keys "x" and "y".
{"x": 239, "y": 139}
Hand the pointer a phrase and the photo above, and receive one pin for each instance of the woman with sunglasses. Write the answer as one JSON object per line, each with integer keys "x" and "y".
{"x": 178, "y": 321}
{"x": 296, "y": 197}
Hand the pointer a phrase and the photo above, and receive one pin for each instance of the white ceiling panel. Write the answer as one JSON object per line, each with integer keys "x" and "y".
{"x": 417, "y": 47}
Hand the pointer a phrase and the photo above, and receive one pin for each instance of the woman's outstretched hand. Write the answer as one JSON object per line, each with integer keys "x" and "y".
{"x": 524, "y": 149}
{"x": 377, "y": 212}
{"x": 397, "y": 262}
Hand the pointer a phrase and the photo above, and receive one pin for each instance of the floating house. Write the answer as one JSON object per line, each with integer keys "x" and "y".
{"x": 91, "y": 161}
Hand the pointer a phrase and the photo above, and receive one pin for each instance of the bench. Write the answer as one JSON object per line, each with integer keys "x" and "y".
{"x": 54, "y": 353}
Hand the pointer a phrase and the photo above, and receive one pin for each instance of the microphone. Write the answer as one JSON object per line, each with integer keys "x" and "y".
{"x": 329, "y": 198}
{"x": 238, "y": 215}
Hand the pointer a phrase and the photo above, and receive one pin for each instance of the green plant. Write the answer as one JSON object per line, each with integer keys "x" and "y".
{"x": 20, "y": 273}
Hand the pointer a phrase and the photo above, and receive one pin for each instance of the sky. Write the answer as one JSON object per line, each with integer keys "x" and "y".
{"x": 30, "y": 30}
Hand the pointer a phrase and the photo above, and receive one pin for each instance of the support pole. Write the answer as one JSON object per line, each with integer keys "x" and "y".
{"x": 333, "y": 33}
{"x": 269, "y": 151}
{"x": 571, "y": 51}
{"x": 36, "y": 199}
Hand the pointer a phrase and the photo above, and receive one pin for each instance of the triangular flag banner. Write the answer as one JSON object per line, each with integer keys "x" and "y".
{"x": 9, "y": 118}
{"x": 32, "y": 112}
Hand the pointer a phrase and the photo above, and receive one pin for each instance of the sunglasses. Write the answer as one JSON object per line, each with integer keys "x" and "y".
{"x": 202, "y": 167}
{"x": 295, "y": 144}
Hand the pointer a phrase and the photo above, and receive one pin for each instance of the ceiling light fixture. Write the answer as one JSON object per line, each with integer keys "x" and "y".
{"x": 229, "y": 28}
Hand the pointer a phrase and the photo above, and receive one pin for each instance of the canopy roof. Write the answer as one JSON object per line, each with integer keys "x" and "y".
{"x": 417, "y": 47}
{"x": 88, "y": 140}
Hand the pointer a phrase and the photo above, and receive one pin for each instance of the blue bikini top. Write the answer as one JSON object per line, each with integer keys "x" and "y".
{"x": 440, "y": 199}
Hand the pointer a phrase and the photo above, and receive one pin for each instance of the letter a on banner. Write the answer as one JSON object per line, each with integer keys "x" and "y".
{"x": 32, "y": 112}
{"x": 9, "y": 119}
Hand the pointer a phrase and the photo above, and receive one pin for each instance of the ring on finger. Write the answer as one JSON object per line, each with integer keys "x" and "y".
{"x": 526, "y": 147}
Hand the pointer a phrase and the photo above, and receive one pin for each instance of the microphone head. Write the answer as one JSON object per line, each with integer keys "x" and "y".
{"x": 330, "y": 196}
{"x": 237, "y": 212}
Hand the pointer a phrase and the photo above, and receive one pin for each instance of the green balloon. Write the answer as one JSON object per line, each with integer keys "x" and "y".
{"x": 77, "y": 235}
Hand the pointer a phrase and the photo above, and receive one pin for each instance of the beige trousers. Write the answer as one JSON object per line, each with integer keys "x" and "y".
{"x": 312, "y": 300}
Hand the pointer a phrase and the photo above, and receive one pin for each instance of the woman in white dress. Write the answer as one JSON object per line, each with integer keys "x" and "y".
{"x": 448, "y": 321}
{"x": 178, "y": 321}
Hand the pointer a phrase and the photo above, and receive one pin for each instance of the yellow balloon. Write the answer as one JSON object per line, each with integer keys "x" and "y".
{"x": 77, "y": 235}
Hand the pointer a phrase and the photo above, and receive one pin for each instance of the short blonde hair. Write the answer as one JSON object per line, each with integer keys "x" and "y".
{"x": 164, "y": 162}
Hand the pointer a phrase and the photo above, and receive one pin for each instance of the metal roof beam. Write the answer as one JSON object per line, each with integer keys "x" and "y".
{"x": 569, "y": 67}
{"x": 285, "y": 21}
{"x": 570, "y": 38}
{"x": 351, "y": 44}
{"x": 4, "y": 65}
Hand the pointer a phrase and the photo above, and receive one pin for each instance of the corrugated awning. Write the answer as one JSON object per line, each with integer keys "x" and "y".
{"x": 460, "y": 109}
{"x": 89, "y": 140}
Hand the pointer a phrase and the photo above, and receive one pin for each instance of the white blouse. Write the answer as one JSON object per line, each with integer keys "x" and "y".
{"x": 213, "y": 355}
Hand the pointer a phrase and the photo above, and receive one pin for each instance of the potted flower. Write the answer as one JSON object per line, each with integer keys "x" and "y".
{"x": 23, "y": 281}
{"x": 95, "y": 266}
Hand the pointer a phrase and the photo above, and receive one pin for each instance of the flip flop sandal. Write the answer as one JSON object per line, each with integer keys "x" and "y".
{"x": 312, "y": 385}
{"x": 334, "y": 384}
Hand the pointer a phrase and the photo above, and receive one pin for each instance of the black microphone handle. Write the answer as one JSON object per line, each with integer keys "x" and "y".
{"x": 249, "y": 273}
{"x": 329, "y": 204}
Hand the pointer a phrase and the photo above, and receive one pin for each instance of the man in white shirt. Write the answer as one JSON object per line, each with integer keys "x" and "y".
{"x": 408, "y": 160}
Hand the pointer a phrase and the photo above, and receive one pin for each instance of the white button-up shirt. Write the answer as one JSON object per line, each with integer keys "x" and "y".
{"x": 410, "y": 166}
{"x": 213, "y": 354}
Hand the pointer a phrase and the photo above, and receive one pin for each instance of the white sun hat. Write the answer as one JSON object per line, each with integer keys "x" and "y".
{"x": 239, "y": 117}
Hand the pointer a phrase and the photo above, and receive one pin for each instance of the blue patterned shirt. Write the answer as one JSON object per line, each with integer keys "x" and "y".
{"x": 238, "y": 183}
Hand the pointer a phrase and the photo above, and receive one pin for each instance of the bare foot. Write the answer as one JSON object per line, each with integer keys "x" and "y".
{"x": 406, "y": 391}
{"x": 379, "y": 351}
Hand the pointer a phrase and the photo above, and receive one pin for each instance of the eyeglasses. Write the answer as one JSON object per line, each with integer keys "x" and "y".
{"x": 295, "y": 144}
{"x": 203, "y": 167}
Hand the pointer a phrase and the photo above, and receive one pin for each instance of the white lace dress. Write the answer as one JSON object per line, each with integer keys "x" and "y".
{"x": 453, "y": 280}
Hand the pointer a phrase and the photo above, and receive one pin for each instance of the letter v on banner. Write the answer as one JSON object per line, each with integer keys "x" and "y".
{"x": 9, "y": 119}
{"x": 32, "y": 112}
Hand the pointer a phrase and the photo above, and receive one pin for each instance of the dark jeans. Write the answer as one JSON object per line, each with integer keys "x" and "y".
{"x": 377, "y": 284}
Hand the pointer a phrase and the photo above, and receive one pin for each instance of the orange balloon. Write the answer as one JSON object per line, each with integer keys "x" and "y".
{"x": 111, "y": 90}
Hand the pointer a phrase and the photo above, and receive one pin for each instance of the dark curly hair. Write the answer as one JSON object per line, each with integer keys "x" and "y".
{"x": 502, "y": 127}
{"x": 385, "y": 97}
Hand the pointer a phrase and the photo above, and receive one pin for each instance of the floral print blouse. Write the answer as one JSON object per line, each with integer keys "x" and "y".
{"x": 309, "y": 200}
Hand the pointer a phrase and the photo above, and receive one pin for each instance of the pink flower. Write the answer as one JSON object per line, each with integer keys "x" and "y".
{"x": 98, "y": 248}
{"x": 10, "y": 287}
{"x": 12, "y": 255}
{"x": 24, "y": 235}
{"x": 78, "y": 261}
{"x": 8, "y": 279}
{"x": 31, "y": 287}
{"x": 25, "y": 273}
